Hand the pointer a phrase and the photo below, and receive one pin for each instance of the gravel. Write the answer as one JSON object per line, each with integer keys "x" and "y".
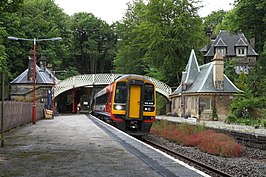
{"x": 252, "y": 162}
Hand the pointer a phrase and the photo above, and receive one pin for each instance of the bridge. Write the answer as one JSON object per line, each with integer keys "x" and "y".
{"x": 91, "y": 80}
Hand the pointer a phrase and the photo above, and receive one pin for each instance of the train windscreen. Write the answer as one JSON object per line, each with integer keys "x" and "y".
{"x": 121, "y": 92}
{"x": 149, "y": 94}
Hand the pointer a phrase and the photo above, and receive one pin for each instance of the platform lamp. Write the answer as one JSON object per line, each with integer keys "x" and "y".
{"x": 34, "y": 68}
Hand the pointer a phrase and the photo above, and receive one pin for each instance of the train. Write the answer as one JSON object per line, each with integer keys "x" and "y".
{"x": 128, "y": 103}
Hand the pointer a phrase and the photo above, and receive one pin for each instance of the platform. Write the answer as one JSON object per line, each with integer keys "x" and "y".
{"x": 78, "y": 145}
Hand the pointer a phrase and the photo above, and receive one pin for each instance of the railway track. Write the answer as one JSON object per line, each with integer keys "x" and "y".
{"x": 199, "y": 165}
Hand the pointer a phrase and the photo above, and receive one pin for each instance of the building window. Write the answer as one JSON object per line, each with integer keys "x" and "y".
{"x": 206, "y": 102}
{"x": 241, "y": 51}
{"x": 221, "y": 50}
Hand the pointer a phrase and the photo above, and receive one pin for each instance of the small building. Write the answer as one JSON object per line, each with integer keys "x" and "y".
{"x": 205, "y": 91}
{"x": 22, "y": 86}
{"x": 231, "y": 47}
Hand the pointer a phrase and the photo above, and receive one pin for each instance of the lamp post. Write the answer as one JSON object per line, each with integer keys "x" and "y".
{"x": 34, "y": 68}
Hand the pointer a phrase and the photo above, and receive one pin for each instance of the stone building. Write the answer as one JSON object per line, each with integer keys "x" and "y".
{"x": 22, "y": 86}
{"x": 231, "y": 47}
{"x": 205, "y": 91}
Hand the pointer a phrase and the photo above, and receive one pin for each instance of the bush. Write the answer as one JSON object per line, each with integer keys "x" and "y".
{"x": 219, "y": 144}
{"x": 197, "y": 136}
{"x": 230, "y": 119}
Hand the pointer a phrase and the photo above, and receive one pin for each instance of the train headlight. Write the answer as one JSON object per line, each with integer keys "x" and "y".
{"x": 119, "y": 107}
{"x": 149, "y": 109}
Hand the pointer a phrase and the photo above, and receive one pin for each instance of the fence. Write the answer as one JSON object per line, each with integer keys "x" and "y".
{"x": 19, "y": 113}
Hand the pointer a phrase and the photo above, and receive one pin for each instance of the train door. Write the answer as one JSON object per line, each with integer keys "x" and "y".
{"x": 135, "y": 101}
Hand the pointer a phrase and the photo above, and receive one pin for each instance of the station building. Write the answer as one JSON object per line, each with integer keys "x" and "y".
{"x": 205, "y": 91}
{"x": 232, "y": 47}
{"x": 22, "y": 86}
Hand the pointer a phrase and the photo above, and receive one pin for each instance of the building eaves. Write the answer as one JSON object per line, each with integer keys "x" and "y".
{"x": 42, "y": 77}
{"x": 22, "y": 78}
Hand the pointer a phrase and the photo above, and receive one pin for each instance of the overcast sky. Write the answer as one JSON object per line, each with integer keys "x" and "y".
{"x": 113, "y": 10}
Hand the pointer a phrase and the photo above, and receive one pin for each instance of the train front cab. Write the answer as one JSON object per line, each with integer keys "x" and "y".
{"x": 135, "y": 112}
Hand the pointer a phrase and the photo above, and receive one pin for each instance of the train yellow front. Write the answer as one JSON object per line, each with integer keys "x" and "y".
{"x": 129, "y": 103}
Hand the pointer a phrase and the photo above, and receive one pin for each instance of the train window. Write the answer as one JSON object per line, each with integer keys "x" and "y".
{"x": 121, "y": 92}
{"x": 102, "y": 99}
{"x": 149, "y": 94}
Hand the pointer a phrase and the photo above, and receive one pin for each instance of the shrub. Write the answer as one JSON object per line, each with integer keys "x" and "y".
{"x": 197, "y": 136}
{"x": 219, "y": 144}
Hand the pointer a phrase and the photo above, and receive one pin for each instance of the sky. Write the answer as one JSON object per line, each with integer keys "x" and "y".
{"x": 113, "y": 10}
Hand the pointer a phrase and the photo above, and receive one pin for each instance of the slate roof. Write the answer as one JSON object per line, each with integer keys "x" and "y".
{"x": 42, "y": 77}
{"x": 192, "y": 69}
{"x": 202, "y": 77}
{"x": 224, "y": 39}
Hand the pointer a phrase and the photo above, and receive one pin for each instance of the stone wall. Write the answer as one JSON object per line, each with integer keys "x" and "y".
{"x": 201, "y": 107}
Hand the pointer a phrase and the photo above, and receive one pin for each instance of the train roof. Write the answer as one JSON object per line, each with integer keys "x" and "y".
{"x": 133, "y": 76}
{"x": 122, "y": 78}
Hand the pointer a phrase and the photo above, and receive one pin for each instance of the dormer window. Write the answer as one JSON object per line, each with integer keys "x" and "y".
{"x": 221, "y": 50}
{"x": 241, "y": 51}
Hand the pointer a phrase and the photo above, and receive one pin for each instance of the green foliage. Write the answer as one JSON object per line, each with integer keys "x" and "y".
{"x": 246, "y": 107}
{"x": 248, "y": 110}
{"x": 35, "y": 19}
{"x": 230, "y": 21}
{"x": 7, "y": 6}
{"x": 242, "y": 82}
{"x": 214, "y": 20}
{"x": 160, "y": 104}
{"x": 230, "y": 70}
{"x": 158, "y": 36}
{"x": 93, "y": 44}
{"x": 249, "y": 17}
{"x": 214, "y": 113}
{"x": 44, "y": 19}
{"x": 70, "y": 72}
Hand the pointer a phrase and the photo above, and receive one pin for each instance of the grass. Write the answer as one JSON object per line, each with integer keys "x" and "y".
{"x": 206, "y": 140}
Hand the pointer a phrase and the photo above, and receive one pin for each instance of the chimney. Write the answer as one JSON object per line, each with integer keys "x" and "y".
{"x": 218, "y": 71}
{"x": 30, "y": 67}
{"x": 252, "y": 42}
{"x": 43, "y": 63}
{"x": 50, "y": 66}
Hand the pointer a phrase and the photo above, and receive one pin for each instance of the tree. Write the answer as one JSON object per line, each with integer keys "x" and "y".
{"x": 214, "y": 20}
{"x": 249, "y": 17}
{"x": 156, "y": 38}
{"x": 94, "y": 43}
{"x": 36, "y": 19}
{"x": 7, "y": 9}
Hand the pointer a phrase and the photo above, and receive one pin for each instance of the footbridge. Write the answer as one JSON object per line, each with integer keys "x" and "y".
{"x": 91, "y": 80}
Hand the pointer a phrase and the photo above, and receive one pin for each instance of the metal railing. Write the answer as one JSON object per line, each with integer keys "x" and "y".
{"x": 101, "y": 79}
